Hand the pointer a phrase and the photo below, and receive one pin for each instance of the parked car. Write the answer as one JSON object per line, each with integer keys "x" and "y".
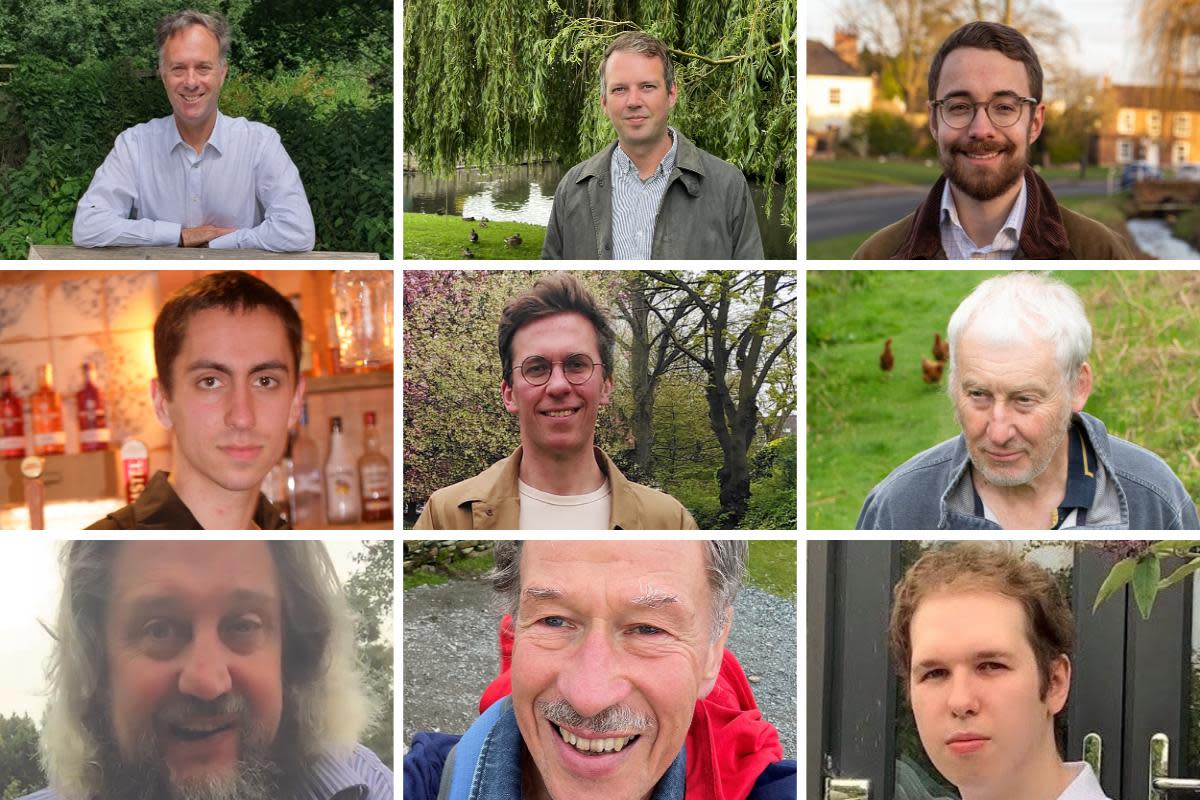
{"x": 1136, "y": 171}
{"x": 1187, "y": 171}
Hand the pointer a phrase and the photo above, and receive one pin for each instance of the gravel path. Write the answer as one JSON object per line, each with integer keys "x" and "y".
{"x": 451, "y": 654}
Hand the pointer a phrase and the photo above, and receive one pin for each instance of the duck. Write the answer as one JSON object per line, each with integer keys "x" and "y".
{"x": 513, "y": 241}
{"x": 474, "y": 236}
{"x": 467, "y": 253}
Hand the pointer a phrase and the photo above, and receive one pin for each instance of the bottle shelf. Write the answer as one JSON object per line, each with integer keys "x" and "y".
{"x": 348, "y": 381}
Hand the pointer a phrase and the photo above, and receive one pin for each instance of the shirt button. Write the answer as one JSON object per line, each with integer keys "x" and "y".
{"x": 195, "y": 164}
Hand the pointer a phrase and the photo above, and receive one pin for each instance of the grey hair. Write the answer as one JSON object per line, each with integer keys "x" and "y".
{"x": 180, "y": 21}
{"x": 323, "y": 690}
{"x": 726, "y": 567}
{"x": 1006, "y": 309}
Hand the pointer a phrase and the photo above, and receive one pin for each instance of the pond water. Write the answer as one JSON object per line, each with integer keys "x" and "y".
{"x": 525, "y": 193}
{"x": 1154, "y": 236}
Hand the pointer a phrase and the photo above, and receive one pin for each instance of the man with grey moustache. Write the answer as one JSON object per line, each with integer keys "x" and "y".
{"x": 202, "y": 670}
{"x": 614, "y": 685}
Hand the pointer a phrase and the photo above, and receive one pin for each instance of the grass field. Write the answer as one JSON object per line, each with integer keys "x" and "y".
{"x": 1107, "y": 209}
{"x": 772, "y": 568}
{"x": 862, "y": 422}
{"x": 849, "y": 173}
{"x": 437, "y": 236}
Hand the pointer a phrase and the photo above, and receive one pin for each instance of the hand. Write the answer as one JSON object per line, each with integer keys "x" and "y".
{"x": 200, "y": 236}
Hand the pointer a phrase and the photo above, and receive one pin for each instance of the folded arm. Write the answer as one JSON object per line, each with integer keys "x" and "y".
{"x": 102, "y": 217}
{"x": 287, "y": 225}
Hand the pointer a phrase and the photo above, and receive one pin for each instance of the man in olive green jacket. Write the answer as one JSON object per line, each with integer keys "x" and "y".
{"x": 560, "y": 341}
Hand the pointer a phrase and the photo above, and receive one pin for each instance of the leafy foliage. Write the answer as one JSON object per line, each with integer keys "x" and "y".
{"x": 62, "y": 110}
{"x": 884, "y": 132}
{"x": 20, "y": 770}
{"x": 491, "y": 83}
{"x": 370, "y": 593}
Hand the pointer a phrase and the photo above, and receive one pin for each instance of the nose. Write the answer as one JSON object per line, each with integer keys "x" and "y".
{"x": 205, "y": 672}
{"x": 981, "y": 126}
{"x": 963, "y": 700}
{"x": 1000, "y": 427}
{"x": 558, "y": 383}
{"x": 239, "y": 413}
{"x": 592, "y": 679}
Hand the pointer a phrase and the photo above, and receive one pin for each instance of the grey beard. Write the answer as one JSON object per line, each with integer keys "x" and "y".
{"x": 256, "y": 776}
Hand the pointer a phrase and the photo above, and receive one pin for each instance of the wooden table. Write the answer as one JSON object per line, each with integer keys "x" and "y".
{"x": 48, "y": 252}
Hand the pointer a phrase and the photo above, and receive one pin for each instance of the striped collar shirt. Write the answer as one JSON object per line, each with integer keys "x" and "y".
{"x": 958, "y": 245}
{"x": 635, "y": 202}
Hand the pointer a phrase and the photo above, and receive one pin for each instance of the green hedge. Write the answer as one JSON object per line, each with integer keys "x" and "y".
{"x": 58, "y": 122}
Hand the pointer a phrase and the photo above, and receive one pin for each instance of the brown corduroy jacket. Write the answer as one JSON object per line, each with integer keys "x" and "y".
{"x": 491, "y": 500}
{"x": 1048, "y": 231}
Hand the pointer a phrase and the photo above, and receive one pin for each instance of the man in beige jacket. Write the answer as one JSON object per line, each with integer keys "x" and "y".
{"x": 559, "y": 340}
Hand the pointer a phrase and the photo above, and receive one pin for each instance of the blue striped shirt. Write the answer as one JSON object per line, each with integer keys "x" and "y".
{"x": 357, "y": 776}
{"x": 635, "y": 202}
{"x": 153, "y": 184}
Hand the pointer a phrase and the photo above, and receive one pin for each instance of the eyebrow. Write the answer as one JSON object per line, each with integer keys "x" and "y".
{"x": 982, "y": 655}
{"x": 217, "y": 366}
{"x": 965, "y": 93}
{"x": 654, "y": 598}
{"x": 171, "y": 601}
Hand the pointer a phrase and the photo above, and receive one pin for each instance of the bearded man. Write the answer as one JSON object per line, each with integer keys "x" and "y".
{"x": 205, "y": 670}
{"x": 985, "y": 111}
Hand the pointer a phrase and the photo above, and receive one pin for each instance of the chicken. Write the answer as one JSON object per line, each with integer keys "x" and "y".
{"x": 931, "y": 371}
{"x": 941, "y": 348}
{"x": 886, "y": 359}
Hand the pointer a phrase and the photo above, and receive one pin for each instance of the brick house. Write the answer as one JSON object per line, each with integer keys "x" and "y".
{"x": 1144, "y": 123}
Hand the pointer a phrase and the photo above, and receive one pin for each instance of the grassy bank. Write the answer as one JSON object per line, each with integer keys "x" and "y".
{"x": 437, "y": 236}
{"x": 863, "y": 422}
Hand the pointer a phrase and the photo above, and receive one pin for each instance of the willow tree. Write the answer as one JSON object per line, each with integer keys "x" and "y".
{"x": 508, "y": 81}
{"x": 1169, "y": 31}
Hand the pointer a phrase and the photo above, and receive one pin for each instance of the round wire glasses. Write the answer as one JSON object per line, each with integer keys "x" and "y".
{"x": 577, "y": 369}
{"x": 1003, "y": 111}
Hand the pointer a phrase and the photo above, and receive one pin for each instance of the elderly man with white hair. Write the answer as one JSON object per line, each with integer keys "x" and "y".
{"x": 1028, "y": 458}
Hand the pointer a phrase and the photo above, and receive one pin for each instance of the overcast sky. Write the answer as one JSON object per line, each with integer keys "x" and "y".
{"x": 29, "y": 587}
{"x": 1105, "y": 32}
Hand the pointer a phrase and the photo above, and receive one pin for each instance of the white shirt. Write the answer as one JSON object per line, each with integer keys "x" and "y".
{"x": 635, "y": 202}
{"x": 153, "y": 184}
{"x": 1085, "y": 786}
{"x": 958, "y": 245}
{"x": 542, "y": 511}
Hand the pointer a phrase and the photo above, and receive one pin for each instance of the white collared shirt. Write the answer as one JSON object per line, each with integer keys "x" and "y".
{"x": 958, "y": 245}
{"x": 1085, "y": 786}
{"x": 635, "y": 202}
{"x": 153, "y": 184}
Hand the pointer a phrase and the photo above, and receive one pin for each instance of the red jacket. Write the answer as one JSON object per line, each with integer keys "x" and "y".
{"x": 728, "y": 745}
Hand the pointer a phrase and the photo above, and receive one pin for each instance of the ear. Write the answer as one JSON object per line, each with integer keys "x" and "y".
{"x": 224, "y": 74}
{"x": 716, "y": 654}
{"x": 297, "y": 403}
{"x": 1083, "y": 388}
{"x": 161, "y": 404}
{"x": 1036, "y": 123}
{"x": 1060, "y": 685}
{"x": 933, "y": 118}
{"x": 606, "y": 387}
{"x": 509, "y": 397}
{"x": 672, "y": 96}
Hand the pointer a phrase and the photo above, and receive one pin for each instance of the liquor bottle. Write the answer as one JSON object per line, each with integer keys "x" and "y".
{"x": 46, "y": 407}
{"x": 304, "y": 483}
{"x": 375, "y": 474}
{"x": 341, "y": 477}
{"x": 93, "y": 418}
{"x": 12, "y": 420}
{"x": 275, "y": 483}
{"x": 308, "y": 363}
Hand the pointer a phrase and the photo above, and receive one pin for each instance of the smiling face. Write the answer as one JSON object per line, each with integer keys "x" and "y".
{"x": 613, "y": 647}
{"x": 975, "y": 692}
{"x": 558, "y": 418}
{"x": 636, "y": 98}
{"x": 234, "y": 397}
{"x": 1013, "y": 406}
{"x": 193, "y": 74}
{"x": 193, "y": 637}
{"x": 982, "y": 160}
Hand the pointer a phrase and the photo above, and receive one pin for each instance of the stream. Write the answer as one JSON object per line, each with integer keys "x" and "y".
{"x": 1154, "y": 236}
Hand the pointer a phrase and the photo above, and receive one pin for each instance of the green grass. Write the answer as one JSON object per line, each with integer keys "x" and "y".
{"x": 836, "y": 248}
{"x": 772, "y": 567}
{"x": 459, "y": 568}
{"x": 862, "y": 422}
{"x": 850, "y": 173}
{"x": 442, "y": 237}
{"x": 1187, "y": 226}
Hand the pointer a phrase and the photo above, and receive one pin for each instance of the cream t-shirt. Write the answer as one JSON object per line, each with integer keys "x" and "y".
{"x": 542, "y": 511}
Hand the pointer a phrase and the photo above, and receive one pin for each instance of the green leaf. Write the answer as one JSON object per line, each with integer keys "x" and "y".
{"x": 1120, "y": 575}
{"x": 1145, "y": 583}
{"x": 1180, "y": 574}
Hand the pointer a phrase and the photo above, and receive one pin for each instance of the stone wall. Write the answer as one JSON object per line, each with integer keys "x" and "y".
{"x": 430, "y": 554}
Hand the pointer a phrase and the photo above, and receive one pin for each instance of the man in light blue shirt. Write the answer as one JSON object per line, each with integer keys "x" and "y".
{"x": 196, "y": 178}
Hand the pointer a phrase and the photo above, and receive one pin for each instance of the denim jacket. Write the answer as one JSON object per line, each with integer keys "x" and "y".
{"x": 486, "y": 762}
{"x": 707, "y": 211}
{"x": 1135, "y": 490}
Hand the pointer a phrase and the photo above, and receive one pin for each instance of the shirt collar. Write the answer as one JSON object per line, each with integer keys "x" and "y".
{"x": 330, "y": 777}
{"x": 159, "y": 507}
{"x": 216, "y": 139}
{"x": 1013, "y": 222}
{"x": 623, "y": 163}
